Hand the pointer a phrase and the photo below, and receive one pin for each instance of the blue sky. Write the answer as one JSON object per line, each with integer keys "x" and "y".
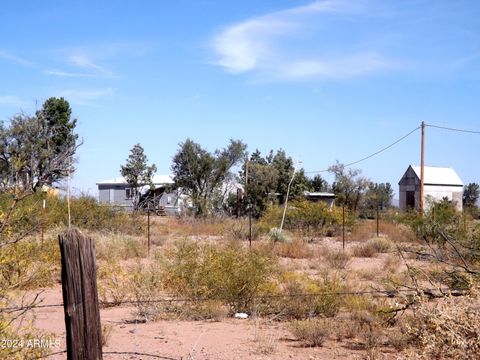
{"x": 325, "y": 80}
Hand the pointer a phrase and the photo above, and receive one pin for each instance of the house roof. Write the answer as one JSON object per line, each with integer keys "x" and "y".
{"x": 439, "y": 175}
{"x": 319, "y": 194}
{"x": 156, "y": 180}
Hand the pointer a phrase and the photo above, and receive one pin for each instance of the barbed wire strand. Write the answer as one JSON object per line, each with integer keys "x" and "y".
{"x": 389, "y": 293}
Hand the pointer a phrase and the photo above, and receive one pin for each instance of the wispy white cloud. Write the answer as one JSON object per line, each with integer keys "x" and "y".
{"x": 12, "y": 100}
{"x": 87, "y": 97}
{"x": 62, "y": 73}
{"x": 14, "y": 58}
{"x": 263, "y": 46}
{"x": 83, "y": 60}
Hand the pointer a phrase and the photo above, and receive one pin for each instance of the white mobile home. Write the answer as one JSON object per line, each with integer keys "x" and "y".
{"x": 117, "y": 192}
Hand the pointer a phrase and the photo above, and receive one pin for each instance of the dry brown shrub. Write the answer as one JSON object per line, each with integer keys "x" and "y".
{"x": 297, "y": 249}
{"x": 368, "y": 328}
{"x": 448, "y": 330}
{"x": 114, "y": 246}
{"x": 190, "y": 226}
{"x": 312, "y": 332}
{"x": 396, "y": 232}
{"x": 364, "y": 250}
{"x": 372, "y": 247}
{"x": 337, "y": 259}
{"x": 391, "y": 264}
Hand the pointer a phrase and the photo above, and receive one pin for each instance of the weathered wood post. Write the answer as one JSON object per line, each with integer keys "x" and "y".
{"x": 79, "y": 285}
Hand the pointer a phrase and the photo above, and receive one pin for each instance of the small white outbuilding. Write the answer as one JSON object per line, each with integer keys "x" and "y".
{"x": 439, "y": 183}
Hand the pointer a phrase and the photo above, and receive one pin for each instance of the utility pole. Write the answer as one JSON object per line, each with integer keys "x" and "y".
{"x": 422, "y": 169}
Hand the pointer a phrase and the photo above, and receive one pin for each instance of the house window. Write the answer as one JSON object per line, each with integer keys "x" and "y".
{"x": 128, "y": 193}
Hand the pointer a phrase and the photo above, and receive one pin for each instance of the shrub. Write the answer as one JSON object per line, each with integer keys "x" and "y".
{"x": 228, "y": 273}
{"x": 337, "y": 259}
{"x": 29, "y": 264}
{"x": 111, "y": 246}
{"x": 306, "y": 297}
{"x": 307, "y": 217}
{"x": 276, "y": 235}
{"x": 313, "y": 332}
{"x": 297, "y": 249}
{"x": 364, "y": 250}
{"x": 451, "y": 329}
{"x": 113, "y": 283}
{"x": 146, "y": 288}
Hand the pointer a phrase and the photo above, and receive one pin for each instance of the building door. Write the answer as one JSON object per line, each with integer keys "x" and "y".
{"x": 410, "y": 200}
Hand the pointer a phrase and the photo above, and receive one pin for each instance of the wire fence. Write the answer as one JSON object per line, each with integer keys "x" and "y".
{"x": 170, "y": 299}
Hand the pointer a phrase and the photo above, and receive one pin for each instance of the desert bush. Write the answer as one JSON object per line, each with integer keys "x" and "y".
{"x": 307, "y": 217}
{"x": 190, "y": 225}
{"x": 112, "y": 246}
{"x": 364, "y": 250}
{"x": 305, "y": 297}
{"x": 146, "y": 289}
{"x": 312, "y": 332}
{"x": 30, "y": 264}
{"x": 228, "y": 273}
{"x": 20, "y": 336}
{"x": 113, "y": 283}
{"x": 278, "y": 236}
{"x": 337, "y": 259}
{"x": 368, "y": 328}
{"x": 372, "y": 247}
{"x": 450, "y": 329}
{"x": 297, "y": 249}
{"x": 240, "y": 230}
{"x": 88, "y": 214}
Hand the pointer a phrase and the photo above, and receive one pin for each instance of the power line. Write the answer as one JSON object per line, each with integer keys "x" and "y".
{"x": 371, "y": 155}
{"x": 453, "y": 129}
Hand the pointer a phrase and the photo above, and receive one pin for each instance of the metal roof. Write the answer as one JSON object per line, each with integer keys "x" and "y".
{"x": 319, "y": 194}
{"x": 439, "y": 175}
{"x": 156, "y": 180}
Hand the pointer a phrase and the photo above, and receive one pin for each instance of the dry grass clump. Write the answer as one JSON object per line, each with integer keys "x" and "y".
{"x": 337, "y": 259}
{"x": 372, "y": 247}
{"x": 146, "y": 288}
{"x": 312, "y": 332}
{"x": 191, "y": 226}
{"x": 391, "y": 263}
{"x": 396, "y": 232}
{"x": 364, "y": 251}
{"x": 297, "y": 249}
{"x": 113, "y": 246}
{"x": 450, "y": 329}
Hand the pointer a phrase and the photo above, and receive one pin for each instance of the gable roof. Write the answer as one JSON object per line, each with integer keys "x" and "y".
{"x": 439, "y": 175}
{"x": 156, "y": 180}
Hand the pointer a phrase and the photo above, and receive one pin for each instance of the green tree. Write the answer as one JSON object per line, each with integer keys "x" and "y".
{"x": 262, "y": 182}
{"x": 319, "y": 184}
{"x": 38, "y": 150}
{"x": 378, "y": 195}
{"x": 136, "y": 171}
{"x": 471, "y": 193}
{"x": 200, "y": 174}
{"x": 349, "y": 185}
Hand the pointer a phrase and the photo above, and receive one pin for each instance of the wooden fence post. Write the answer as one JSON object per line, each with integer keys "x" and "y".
{"x": 79, "y": 285}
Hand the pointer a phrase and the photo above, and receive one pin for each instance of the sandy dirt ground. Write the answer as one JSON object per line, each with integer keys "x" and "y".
{"x": 250, "y": 339}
